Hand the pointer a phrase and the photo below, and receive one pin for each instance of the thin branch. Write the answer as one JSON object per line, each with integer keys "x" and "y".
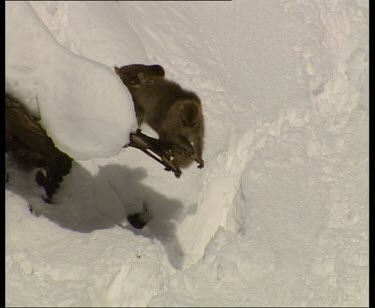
{"x": 155, "y": 149}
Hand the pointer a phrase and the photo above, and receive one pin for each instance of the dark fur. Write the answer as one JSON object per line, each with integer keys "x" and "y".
{"x": 173, "y": 112}
{"x": 129, "y": 76}
{"x": 129, "y": 73}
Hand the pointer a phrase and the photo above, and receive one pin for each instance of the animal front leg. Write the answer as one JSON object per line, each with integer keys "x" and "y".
{"x": 198, "y": 150}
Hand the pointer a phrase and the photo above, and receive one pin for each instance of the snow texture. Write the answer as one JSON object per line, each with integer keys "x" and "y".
{"x": 279, "y": 214}
{"x": 64, "y": 90}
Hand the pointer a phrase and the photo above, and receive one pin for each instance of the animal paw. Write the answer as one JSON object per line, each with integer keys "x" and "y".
{"x": 200, "y": 163}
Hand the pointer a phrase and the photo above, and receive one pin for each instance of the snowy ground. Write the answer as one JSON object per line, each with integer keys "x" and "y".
{"x": 279, "y": 214}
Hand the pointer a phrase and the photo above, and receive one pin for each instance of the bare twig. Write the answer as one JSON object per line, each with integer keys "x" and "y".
{"x": 155, "y": 149}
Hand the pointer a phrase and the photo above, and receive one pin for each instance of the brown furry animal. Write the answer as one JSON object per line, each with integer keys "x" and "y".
{"x": 129, "y": 77}
{"x": 173, "y": 112}
{"x": 129, "y": 73}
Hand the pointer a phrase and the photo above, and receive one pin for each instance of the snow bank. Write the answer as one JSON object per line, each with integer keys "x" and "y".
{"x": 297, "y": 229}
{"x": 82, "y": 104}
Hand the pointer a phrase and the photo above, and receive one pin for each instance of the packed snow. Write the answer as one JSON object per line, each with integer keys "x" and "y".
{"x": 279, "y": 214}
{"x": 65, "y": 90}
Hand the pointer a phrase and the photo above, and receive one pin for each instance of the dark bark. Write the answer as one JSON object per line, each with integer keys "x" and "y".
{"x": 155, "y": 149}
{"x": 31, "y": 147}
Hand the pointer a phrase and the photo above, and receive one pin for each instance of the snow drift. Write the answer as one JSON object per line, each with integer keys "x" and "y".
{"x": 64, "y": 90}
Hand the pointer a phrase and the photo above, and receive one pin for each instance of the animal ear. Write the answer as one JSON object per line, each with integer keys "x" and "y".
{"x": 158, "y": 70}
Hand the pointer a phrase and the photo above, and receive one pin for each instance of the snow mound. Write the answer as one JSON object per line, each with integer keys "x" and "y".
{"x": 82, "y": 104}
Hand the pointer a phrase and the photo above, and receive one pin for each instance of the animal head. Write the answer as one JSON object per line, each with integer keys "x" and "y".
{"x": 129, "y": 74}
{"x": 190, "y": 112}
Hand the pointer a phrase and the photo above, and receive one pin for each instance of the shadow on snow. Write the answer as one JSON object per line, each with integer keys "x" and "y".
{"x": 85, "y": 203}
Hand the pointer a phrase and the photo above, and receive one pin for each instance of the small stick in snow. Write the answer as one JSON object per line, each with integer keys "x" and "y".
{"x": 155, "y": 149}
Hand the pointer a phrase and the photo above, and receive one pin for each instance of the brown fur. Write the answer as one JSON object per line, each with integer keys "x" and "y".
{"x": 129, "y": 76}
{"x": 129, "y": 73}
{"x": 173, "y": 112}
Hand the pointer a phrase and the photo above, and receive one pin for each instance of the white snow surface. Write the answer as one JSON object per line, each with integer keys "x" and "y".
{"x": 279, "y": 214}
{"x": 83, "y": 117}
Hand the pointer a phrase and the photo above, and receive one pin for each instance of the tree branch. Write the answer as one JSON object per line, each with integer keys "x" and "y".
{"x": 155, "y": 149}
